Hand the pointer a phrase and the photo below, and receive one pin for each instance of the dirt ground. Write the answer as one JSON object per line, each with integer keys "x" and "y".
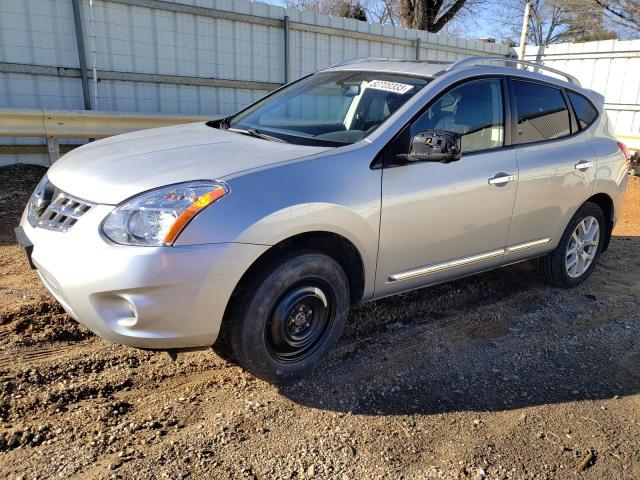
{"x": 497, "y": 376}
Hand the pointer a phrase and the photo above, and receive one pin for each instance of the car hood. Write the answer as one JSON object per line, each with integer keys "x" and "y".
{"x": 113, "y": 169}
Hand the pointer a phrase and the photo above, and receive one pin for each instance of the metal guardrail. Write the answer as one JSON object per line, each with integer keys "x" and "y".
{"x": 56, "y": 124}
{"x": 16, "y": 122}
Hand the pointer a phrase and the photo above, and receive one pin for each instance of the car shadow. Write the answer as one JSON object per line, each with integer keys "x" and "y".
{"x": 496, "y": 341}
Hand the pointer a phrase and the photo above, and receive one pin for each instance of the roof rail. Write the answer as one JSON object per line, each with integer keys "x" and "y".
{"x": 349, "y": 61}
{"x": 473, "y": 61}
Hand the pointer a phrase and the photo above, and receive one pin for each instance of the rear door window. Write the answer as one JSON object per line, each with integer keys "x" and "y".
{"x": 541, "y": 111}
{"x": 586, "y": 113}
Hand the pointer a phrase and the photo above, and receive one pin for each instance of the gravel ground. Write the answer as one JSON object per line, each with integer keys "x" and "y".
{"x": 496, "y": 376}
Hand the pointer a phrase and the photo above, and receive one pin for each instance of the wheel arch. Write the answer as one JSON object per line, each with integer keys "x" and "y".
{"x": 336, "y": 246}
{"x": 605, "y": 202}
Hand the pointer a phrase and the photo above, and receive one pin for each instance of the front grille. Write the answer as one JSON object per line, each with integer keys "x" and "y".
{"x": 52, "y": 209}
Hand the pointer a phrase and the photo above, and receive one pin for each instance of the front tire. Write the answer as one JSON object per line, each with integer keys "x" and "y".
{"x": 576, "y": 255}
{"x": 291, "y": 314}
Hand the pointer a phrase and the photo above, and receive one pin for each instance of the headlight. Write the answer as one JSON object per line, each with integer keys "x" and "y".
{"x": 157, "y": 217}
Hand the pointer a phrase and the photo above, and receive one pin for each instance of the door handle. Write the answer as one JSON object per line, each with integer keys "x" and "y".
{"x": 501, "y": 179}
{"x": 582, "y": 166}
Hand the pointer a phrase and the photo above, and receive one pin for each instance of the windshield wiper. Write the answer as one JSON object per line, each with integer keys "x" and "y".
{"x": 221, "y": 123}
{"x": 224, "y": 123}
{"x": 252, "y": 132}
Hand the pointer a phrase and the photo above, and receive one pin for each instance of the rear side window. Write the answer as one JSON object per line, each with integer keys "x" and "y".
{"x": 585, "y": 111}
{"x": 542, "y": 112}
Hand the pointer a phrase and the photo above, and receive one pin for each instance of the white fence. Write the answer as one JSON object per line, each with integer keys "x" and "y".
{"x": 610, "y": 67}
{"x": 190, "y": 57}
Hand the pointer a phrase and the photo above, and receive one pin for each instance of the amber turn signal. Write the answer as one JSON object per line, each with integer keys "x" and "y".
{"x": 185, "y": 217}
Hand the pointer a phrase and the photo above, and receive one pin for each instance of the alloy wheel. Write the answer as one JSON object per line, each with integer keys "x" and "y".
{"x": 582, "y": 247}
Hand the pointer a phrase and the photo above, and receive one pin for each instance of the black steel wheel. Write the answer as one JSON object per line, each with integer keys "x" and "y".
{"x": 291, "y": 315}
{"x": 300, "y": 320}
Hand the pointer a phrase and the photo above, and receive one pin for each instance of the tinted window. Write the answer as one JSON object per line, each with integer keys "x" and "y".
{"x": 542, "y": 112}
{"x": 473, "y": 109}
{"x": 585, "y": 111}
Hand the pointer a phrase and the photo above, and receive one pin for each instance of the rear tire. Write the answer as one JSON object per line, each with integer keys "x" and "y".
{"x": 576, "y": 255}
{"x": 291, "y": 314}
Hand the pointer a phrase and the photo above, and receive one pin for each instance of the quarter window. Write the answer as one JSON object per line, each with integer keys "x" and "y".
{"x": 585, "y": 111}
{"x": 473, "y": 109}
{"x": 542, "y": 112}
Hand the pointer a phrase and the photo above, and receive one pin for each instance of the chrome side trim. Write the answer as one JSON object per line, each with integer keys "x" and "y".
{"x": 417, "y": 272}
{"x": 445, "y": 265}
{"x": 527, "y": 245}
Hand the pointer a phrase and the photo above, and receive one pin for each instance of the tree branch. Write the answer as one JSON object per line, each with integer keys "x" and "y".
{"x": 626, "y": 19}
{"x": 448, "y": 15}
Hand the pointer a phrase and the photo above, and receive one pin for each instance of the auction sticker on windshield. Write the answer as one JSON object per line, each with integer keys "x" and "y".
{"x": 399, "y": 88}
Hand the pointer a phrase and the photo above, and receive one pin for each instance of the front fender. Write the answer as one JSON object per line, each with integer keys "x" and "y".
{"x": 314, "y": 217}
{"x": 337, "y": 193}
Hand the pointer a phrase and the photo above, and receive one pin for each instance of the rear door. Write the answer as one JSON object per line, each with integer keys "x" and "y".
{"x": 556, "y": 164}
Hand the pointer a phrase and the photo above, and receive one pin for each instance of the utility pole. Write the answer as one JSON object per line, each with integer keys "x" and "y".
{"x": 525, "y": 30}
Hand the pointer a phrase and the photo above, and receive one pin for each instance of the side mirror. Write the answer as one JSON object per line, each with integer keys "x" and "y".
{"x": 436, "y": 146}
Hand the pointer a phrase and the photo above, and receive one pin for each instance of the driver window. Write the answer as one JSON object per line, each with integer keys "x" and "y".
{"x": 473, "y": 109}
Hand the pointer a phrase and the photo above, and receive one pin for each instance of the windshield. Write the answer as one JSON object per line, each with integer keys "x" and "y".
{"x": 328, "y": 108}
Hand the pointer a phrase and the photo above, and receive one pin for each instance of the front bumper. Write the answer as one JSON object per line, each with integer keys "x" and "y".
{"x": 148, "y": 297}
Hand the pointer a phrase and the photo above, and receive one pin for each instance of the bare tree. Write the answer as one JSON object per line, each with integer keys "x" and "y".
{"x": 310, "y": 5}
{"x": 338, "y": 8}
{"x": 445, "y": 16}
{"x": 382, "y": 11}
{"x": 547, "y": 20}
{"x": 587, "y": 23}
{"x": 429, "y": 15}
{"x": 624, "y": 12}
{"x": 554, "y": 21}
{"x": 551, "y": 20}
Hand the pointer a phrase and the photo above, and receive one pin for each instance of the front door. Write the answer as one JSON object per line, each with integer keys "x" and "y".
{"x": 440, "y": 220}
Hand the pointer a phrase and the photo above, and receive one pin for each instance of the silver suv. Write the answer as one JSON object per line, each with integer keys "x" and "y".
{"x": 369, "y": 178}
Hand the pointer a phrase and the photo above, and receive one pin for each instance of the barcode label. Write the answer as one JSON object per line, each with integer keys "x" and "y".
{"x": 399, "y": 88}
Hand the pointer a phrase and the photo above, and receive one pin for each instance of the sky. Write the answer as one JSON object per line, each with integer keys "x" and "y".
{"x": 486, "y": 21}
{"x": 482, "y": 27}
